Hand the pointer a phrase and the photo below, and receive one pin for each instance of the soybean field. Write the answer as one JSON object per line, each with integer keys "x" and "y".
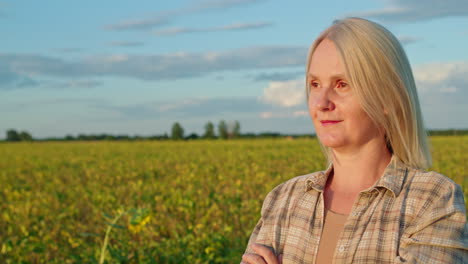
{"x": 154, "y": 201}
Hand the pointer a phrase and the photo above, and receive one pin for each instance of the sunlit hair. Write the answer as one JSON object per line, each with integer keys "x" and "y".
{"x": 381, "y": 78}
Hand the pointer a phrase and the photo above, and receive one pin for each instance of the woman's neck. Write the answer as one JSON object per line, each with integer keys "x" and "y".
{"x": 354, "y": 171}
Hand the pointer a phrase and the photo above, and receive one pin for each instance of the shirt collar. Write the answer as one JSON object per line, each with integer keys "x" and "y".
{"x": 318, "y": 180}
{"x": 392, "y": 178}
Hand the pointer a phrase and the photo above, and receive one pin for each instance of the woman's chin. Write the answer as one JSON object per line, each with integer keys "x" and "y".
{"x": 330, "y": 141}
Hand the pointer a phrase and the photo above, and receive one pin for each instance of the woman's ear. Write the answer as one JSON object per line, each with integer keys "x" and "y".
{"x": 389, "y": 144}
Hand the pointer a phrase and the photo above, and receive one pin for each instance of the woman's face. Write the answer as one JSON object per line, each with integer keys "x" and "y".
{"x": 339, "y": 120}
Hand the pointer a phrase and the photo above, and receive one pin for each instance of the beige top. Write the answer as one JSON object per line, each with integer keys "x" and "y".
{"x": 332, "y": 227}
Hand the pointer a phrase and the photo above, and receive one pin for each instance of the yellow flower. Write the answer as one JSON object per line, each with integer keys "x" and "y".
{"x": 135, "y": 228}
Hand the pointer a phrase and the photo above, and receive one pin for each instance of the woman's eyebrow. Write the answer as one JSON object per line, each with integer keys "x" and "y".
{"x": 336, "y": 76}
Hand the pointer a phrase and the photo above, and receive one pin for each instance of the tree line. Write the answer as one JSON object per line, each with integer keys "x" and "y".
{"x": 13, "y": 135}
{"x": 224, "y": 130}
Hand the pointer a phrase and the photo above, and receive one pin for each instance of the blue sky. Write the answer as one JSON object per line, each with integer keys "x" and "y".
{"x": 136, "y": 67}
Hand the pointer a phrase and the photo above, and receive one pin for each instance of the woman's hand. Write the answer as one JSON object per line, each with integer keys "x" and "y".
{"x": 264, "y": 256}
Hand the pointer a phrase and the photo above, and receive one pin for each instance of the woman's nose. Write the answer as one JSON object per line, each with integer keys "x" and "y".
{"x": 321, "y": 101}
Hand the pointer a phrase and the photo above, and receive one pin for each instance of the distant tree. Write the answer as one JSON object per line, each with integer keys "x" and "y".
{"x": 177, "y": 131}
{"x": 69, "y": 137}
{"x": 12, "y": 135}
{"x": 269, "y": 135}
{"x": 118, "y": 137}
{"x": 222, "y": 130}
{"x": 235, "y": 132}
{"x": 25, "y": 136}
{"x": 209, "y": 130}
{"x": 192, "y": 136}
{"x": 248, "y": 135}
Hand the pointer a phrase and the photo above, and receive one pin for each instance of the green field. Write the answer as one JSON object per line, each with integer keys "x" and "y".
{"x": 180, "y": 202}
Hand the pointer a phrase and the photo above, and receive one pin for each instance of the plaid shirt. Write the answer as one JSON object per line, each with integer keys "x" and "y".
{"x": 407, "y": 216}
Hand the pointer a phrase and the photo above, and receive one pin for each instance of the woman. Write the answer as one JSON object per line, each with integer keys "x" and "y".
{"x": 374, "y": 203}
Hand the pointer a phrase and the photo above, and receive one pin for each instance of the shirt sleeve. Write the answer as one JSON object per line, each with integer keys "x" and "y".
{"x": 440, "y": 232}
{"x": 253, "y": 236}
{"x": 264, "y": 229}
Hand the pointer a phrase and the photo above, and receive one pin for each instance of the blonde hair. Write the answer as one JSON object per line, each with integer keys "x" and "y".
{"x": 379, "y": 72}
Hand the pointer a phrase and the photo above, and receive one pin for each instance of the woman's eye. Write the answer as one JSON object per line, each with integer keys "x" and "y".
{"x": 314, "y": 84}
{"x": 342, "y": 84}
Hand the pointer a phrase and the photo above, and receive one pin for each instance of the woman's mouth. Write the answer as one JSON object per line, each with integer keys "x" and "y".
{"x": 330, "y": 122}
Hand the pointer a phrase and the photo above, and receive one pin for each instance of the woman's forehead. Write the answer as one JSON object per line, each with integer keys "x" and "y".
{"x": 326, "y": 62}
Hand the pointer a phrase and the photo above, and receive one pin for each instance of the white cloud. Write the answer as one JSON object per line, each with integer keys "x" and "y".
{"x": 449, "y": 89}
{"x": 151, "y": 67}
{"x": 443, "y": 94}
{"x": 167, "y": 16}
{"x": 79, "y": 84}
{"x": 189, "y": 108}
{"x": 231, "y": 27}
{"x": 276, "y": 76}
{"x": 166, "y": 107}
{"x": 266, "y": 115}
{"x": 126, "y": 44}
{"x": 116, "y": 58}
{"x": 300, "y": 113}
{"x": 417, "y": 10}
{"x": 69, "y": 50}
{"x": 216, "y": 4}
{"x": 283, "y": 114}
{"x": 448, "y": 76}
{"x": 285, "y": 94}
{"x": 405, "y": 40}
{"x": 138, "y": 24}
